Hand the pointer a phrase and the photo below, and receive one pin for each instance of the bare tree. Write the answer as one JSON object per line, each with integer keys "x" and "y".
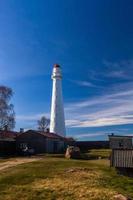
{"x": 43, "y": 123}
{"x": 7, "y": 114}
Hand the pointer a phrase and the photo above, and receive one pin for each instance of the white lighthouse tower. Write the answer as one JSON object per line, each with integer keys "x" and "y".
{"x": 57, "y": 121}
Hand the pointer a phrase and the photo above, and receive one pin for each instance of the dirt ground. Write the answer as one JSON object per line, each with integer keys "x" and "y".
{"x": 17, "y": 161}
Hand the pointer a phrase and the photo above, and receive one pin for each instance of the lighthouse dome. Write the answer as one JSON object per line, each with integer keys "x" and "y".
{"x": 56, "y": 66}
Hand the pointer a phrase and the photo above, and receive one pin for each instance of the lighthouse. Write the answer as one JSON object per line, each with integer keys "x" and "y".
{"x": 57, "y": 119}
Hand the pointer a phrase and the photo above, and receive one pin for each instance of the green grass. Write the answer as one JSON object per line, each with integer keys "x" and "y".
{"x": 50, "y": 179}
{"x": 96, "y": 153}
{"x": 58, "y": 178}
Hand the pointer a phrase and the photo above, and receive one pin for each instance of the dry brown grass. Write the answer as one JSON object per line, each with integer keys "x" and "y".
{"x": 71, "y": 184}
{"x": 61, "y": 179}
{"x": 78, "y": 183}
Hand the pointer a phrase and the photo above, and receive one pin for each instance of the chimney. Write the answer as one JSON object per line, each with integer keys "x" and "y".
{"x": 6, "y": 128}
{"x": 47, "y": 130}
{"x": 21, "y": 130}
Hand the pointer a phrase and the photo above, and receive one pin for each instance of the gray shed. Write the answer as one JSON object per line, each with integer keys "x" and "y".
{"x": 120, "y": 142}
{"x": 122, "y": 154}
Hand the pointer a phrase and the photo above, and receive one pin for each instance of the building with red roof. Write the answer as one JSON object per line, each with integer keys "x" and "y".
{"x": 12, "y": 142}
{"x": 7, "y": 142}
{"x": 40, "y": 142}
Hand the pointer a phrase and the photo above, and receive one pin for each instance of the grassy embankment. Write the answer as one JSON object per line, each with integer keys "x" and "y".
{"x": 57, "y": 178}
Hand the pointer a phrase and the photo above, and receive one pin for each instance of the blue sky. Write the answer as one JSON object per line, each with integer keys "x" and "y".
{"x": 93, "y": 42}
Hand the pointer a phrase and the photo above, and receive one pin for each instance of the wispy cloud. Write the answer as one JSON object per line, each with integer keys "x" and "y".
{"x": 106, "y": 110}
{"x": 110, "y": 109}
{"x": 122, "y": 69}
{"x": 86, "y": 135}
{"x": 131, "y": 134}
{"x": 96, "y": 134}
{"x": 113, "y": 107}
{"x": 84, "y": 83}
{"x": 113, "y": 98}
{"x": 118, "y": 74}
{"x": 33, "y": 117}
{"x": 29, "y": 121}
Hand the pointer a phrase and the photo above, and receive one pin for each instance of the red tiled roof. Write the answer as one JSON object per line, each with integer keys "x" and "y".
{"x": 45, "y": 134}
{"x": 13, "y": 134}
{"x": 69, "y": 139}
{"x": 48, "y": 135}
{"x": 51, "y": 135}
{"x": 54, "y": 135}
{"x": 8, "y": 134}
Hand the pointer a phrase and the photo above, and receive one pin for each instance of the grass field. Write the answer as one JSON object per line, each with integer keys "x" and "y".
{"x": 96, "y": 153}
{"x": 57, "y": 178}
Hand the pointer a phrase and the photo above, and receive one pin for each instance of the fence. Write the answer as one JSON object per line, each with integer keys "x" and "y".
{"x": 122, "y": 158}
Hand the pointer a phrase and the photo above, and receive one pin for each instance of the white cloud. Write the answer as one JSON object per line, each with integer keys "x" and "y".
{"x": 96, "y": 134}
{"x": 110, "y": 109}
{"x": 116, "y": 97}
{"x": 106, "y": 110}
{"x": 85, "y": 83}
{"x": 131, "y": 134}
{"x": 117, "y": 74}
{"x": 122, "y": 69}
{"x": 89, "y": 135}
{"x": 33, "y": 117}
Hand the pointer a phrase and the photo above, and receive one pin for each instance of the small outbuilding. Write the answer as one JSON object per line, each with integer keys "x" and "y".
{"x": 122, "y": 153}
{"x": 40, "y": 142}
{"x": 120, "y": 142}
